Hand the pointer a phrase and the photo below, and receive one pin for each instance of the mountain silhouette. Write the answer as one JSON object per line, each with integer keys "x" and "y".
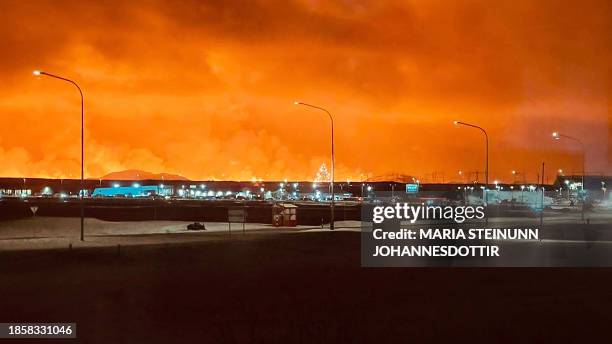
{"x": 142, "y": 175}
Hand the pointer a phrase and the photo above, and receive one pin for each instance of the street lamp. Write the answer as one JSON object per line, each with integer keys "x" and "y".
{"x": 39, "y": 73}
{"x": 484, "y": 190}
{"x": 331, "y": 225}
{"x": 557, "y": 136}
{"x": 486, "y": 147}
{"x": 516, "y": 173}
{"x": 461, "y": 175}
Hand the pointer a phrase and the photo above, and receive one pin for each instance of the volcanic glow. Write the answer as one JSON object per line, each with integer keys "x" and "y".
{"x": 205, "y": 89}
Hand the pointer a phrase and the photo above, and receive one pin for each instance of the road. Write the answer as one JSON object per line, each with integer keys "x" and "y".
{"x": 294, "y": 287}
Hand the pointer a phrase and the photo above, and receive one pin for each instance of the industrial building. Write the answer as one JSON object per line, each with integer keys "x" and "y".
{"x": 132, "y": 191}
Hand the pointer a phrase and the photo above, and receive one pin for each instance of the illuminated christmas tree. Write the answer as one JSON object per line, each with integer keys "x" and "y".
{"x": 323, "y": 175}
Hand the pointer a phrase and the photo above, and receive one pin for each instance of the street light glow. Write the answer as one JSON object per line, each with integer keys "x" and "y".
{"x": 82, "y": 188}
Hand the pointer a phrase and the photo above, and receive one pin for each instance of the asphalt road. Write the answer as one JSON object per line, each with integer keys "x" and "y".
{"x": 295, "y": 287}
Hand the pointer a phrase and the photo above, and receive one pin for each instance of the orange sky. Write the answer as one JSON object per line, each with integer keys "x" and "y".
{"x": 205, "y": 88}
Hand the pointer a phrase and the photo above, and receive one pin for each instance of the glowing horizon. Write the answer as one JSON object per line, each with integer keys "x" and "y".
{"x": 175, "y": 88}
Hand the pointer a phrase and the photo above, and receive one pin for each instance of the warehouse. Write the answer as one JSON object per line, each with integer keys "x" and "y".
{"x": 129, "y": 191}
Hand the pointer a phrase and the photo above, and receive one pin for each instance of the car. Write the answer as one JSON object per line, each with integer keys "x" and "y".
{"x": 196, "y": 226}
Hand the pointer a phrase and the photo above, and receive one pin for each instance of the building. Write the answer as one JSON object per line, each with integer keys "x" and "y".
{"x": 131, "y": 191}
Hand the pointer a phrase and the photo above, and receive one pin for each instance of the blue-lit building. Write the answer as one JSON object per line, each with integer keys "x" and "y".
{"x": 132, "y": 191}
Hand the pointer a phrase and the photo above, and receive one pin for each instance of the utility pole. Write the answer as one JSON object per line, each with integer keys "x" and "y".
{"x": 542, "y": 197}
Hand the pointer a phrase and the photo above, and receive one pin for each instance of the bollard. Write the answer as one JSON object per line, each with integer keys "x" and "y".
{"x": 70, "y": 247}
{"x": 118, "y": 250}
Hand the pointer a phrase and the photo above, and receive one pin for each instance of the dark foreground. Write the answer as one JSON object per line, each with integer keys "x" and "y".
{"x": 304, "y": 288}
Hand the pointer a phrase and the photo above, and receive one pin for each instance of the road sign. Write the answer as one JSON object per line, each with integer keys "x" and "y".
{"x": 412, "y": 188}
{"x": 236, "y": 215}
{"x": 34, "y": 209}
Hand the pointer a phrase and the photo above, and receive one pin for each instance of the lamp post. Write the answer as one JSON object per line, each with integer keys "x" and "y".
{"x": 461, "y": 174}
{"x": 486, "y": 147}
{"x": 557, "y": 136}
{"x": 331, "y": 225}
{"x": 81, "y": 206}
{"x": 486, "y": 151}
{"x": 484, "y": 190}
{"x": 362, "y": 198}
